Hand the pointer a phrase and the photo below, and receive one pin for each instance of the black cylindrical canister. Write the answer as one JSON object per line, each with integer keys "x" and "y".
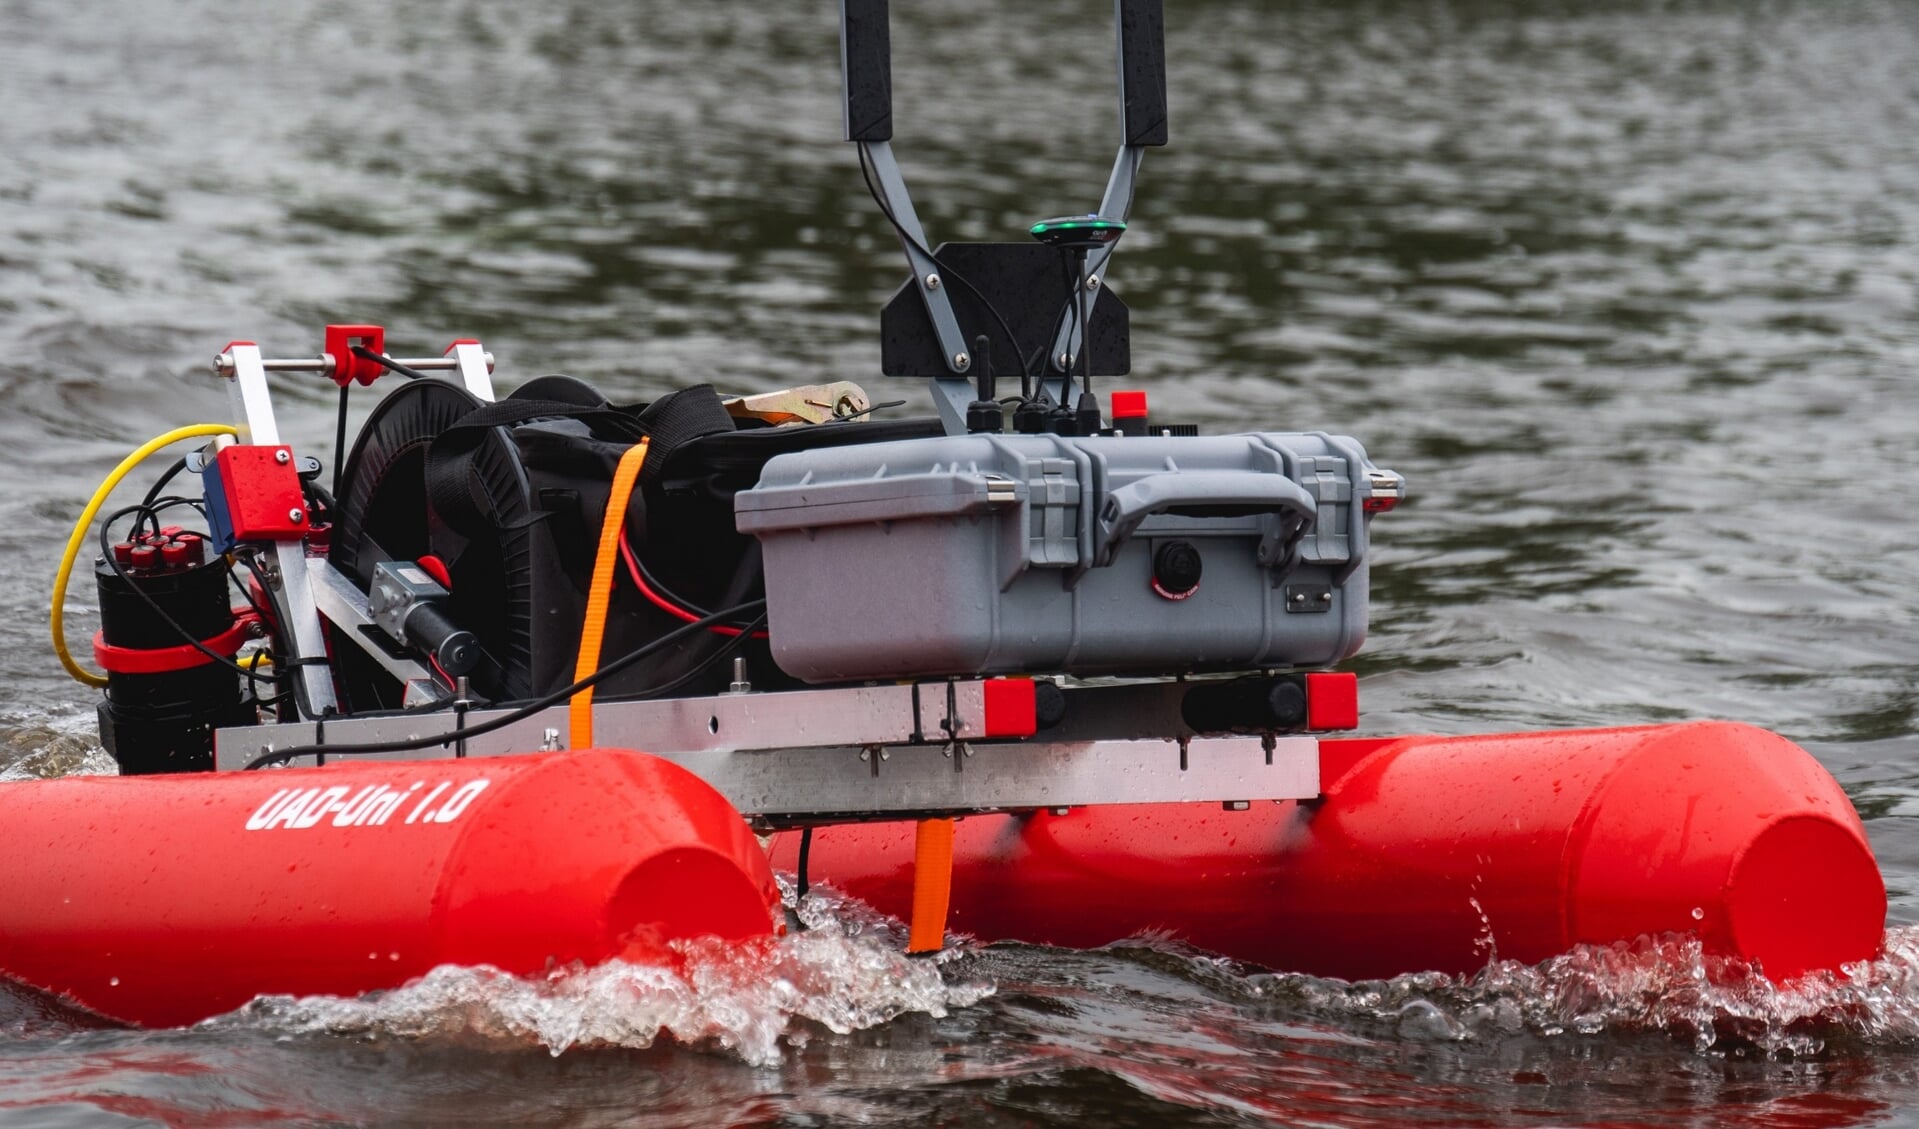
{"x": 163, "y": 721}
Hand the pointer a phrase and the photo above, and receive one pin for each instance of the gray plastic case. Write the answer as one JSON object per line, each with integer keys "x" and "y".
{"x": 1000, "y": 554}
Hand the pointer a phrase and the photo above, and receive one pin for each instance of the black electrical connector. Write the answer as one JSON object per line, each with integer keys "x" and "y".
{"x": 984, "y": 415}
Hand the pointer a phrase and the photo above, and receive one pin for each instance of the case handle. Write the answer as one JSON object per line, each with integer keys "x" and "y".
{"x": 1235, "y": 491}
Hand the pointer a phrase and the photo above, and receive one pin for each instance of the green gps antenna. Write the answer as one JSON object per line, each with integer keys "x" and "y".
{"x": 1081, "y": 232}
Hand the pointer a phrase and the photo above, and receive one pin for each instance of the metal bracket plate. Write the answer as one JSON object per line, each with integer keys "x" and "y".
{"x": 816, "y": 756}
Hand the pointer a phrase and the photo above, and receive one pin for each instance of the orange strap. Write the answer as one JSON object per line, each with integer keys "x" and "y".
{"x": 605, "y": 568}
{"x": 932, "y": 885}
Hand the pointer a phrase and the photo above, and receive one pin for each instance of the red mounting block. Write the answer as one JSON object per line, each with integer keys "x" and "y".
{"x": 264, "y": 500}
{"x": 340, "y": 340}
{"x": 1332, "y": 700}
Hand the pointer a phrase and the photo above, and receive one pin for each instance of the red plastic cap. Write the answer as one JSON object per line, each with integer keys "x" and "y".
{"x": 347, "y": 368}
{"x": 436, "y": 568}
{"x": 1129, "y": 405}
{"x": 1332, "y": 701}
{"x": 1010, "y": 709}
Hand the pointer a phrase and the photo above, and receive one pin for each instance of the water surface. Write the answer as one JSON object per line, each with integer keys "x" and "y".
{"x": 1626, "y": 290}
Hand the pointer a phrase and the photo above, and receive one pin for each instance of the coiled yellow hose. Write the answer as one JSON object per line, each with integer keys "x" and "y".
{"x": 79, "y": 538}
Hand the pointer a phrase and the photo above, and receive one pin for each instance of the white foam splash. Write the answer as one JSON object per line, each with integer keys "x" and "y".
{"x": 39, "y": 744}
{"x": 1669, "y": 984}
{"x": 845, "y": 972}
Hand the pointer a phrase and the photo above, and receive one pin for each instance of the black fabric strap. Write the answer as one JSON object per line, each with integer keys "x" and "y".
{"x": 668, "y": 423}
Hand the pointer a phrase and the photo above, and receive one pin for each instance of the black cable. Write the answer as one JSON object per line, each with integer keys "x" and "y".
{"x": 339, "y": 441}
{"x": 160, "y": 484}
{"x": 267, "y": 621}
{"x": 151, "y": 511}
{"x": 704, "y": 665}
{"x": 663, "y": 591}
{"x": 317, "y": 492}
{"x": 120, "y": 570}
{"x": 281, "y": 756}
{"x": 387, "y": 363}
{"x": 946, "y": 272}
{"x": 806, "y": 850}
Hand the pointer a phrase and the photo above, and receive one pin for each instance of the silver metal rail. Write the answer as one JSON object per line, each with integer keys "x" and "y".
{"x": 816, "y": 756}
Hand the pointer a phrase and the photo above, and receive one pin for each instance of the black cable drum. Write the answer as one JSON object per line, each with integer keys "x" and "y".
{"x": 381, "y": 513}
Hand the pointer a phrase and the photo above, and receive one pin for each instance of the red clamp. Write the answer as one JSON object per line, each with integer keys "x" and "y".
{"x": 165, "y": 660}
{"x": 340, "y": 340}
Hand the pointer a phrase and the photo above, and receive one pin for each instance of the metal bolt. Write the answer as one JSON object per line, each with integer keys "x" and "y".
{"x": 1235, "y": 805}
{"x": 1092, "y": 282}
{"x": 223, "y": 364}
{"x": 1064, "y": 360}
{"x": 932, "y": 282}
{"x": 961, "y": 361}
{"x": 550, "y": 741}
{"x": 280, "y": 456}
{"x": 296, "y": 516}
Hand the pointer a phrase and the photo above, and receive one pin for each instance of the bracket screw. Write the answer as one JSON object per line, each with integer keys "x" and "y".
{"x": 962, "y": 362}
{"x": 1064, "y": 360}
{"x": 296, "y": 516}
{"x": 932, "y": 282}
{"x": 1092, "y": 282}
{"x": 282, "y": 457}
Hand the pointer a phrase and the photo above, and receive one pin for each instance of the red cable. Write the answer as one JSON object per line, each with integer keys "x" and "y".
{"x": 665, "y": 605}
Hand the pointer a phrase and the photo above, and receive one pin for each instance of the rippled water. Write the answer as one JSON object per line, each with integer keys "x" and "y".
{"x": 1627, "y": 290}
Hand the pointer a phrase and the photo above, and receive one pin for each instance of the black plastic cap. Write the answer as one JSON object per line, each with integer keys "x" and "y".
{"x": 1176, "y": 568}
{"x": 1049, "y": 704}
{"x": 458, "y": 653}
{"x": 985, "y": 416}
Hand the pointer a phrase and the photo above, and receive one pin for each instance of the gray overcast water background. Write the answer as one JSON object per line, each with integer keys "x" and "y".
{"x": 1628, "y": 291}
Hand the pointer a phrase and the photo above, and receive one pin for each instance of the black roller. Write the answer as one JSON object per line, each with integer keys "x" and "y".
{"x": 1256, "y": 704}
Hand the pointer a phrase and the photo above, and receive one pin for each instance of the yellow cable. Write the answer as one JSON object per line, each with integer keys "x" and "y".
{"x": 580, "y": 711}
{"x": 80, "y": 528}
